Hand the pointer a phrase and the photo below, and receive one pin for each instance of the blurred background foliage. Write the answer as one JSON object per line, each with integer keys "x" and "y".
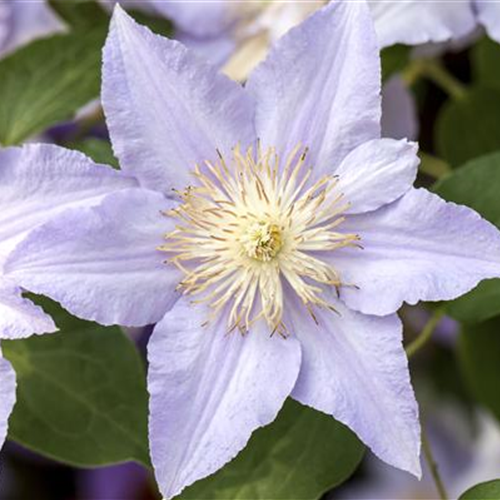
{"x": 82, "y": 400}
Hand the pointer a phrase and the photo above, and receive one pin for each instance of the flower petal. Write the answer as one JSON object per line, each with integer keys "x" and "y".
{"x": 417, "y": 248}
{"x": 399, "y": 110}
{"x": 215, "y": 50}
{"x": 210, "y": 391}
{"x": 5, "y": 24}
{"x": 354, "y": 367}
{"x": 488, "y": 14}
{"x": 7, "y": 395}
{"x": 377, "y": 172}
{"x": 20, "y": 318}
{"x": 29, "y": 22}
{"x": 320, "y": 86}
{"x": 102, "y": 263}
{"x": 166, "y": 109}
{"x": 415, "y": 22}
{"x": 201, "y": 18}
{"x": 39, "y": 181}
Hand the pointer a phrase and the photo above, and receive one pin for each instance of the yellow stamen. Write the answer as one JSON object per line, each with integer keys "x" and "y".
{"x": 251, "y": 225}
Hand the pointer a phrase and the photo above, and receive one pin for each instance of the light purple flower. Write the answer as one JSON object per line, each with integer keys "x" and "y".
{"x": 37, "y": 182}
{"x": 296, "y": 273}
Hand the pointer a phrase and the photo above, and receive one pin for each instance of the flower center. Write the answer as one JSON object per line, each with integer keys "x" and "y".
{"x": 262, "y": 241}
{"x": 250, "y": 232}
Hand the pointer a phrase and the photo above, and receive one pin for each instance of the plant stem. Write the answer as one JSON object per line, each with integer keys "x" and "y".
{"x": 433, "y": 70}
{"x": 440, "y": 76}
{"x": 433, "y": 467}
{"x": 433, "y": 166}
{"x": 426, "y": 333}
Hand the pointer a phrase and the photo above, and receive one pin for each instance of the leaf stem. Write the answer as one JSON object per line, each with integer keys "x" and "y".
{"x": 433, "y": 467}
{"x": 433, "y": 166}
{"x": 434, "y": 70}
{"x": 426, "y": 333}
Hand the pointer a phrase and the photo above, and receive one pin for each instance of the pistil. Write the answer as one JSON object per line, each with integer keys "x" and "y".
{"x": 262, "y": 241}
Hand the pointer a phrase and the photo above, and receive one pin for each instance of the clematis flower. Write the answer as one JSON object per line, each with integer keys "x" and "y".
{"x": 36, "y": 183}
{"x": 272, "y": 239}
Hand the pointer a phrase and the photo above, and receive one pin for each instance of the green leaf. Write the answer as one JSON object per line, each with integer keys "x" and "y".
{"x": 483, "y": 491}
{"x": 479, "y": 352}
{"x": 485, "y": 59}
{"x": 100, "y": 151}
{"x": 469, "y": 127}
{"x": 394, "y": 60}
{"x": 476, "y": 185}
{"x": 300, "y": 456}
{"x": 479, "y": 305}
{"x": 47, "y": 81}
{"x": 81, "y": 396}
{"x": 80, "y": 14}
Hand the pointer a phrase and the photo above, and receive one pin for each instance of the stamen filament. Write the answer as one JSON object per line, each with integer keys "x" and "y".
{"x": 251, "y": 225}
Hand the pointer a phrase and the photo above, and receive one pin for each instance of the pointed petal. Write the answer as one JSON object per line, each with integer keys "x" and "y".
{"x": 416, "y": 22}
{"x": 354, "y": 367}
{"x": 39, "y": 181}
{"x": 166, "y": 109}
{"x": 102, "y": 263}
{"x": 488, "y": 14}
{"x": 377, "y": 172}
{"x": 209, "y": 391}
{"x": 7, "y": 395}
{"x": 417, "y": 248}
{"x": 320, "y": 86}
{"x": 20, "y": 318}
